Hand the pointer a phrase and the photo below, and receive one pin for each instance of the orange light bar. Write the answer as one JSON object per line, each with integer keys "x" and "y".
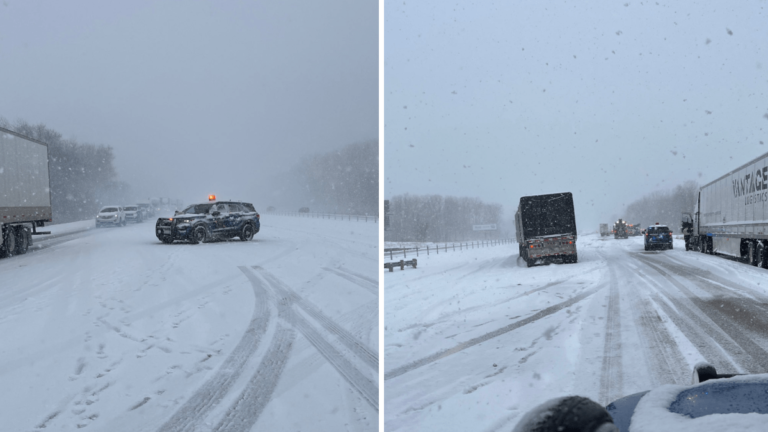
{"x": 211, "y": 197}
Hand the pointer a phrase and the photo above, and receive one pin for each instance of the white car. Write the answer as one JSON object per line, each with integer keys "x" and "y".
{"x": 110, "y": 215}
{"x": 133, "y": 214}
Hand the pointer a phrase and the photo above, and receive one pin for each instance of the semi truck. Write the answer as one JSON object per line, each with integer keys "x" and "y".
{"x": 25, "y": 191}
{"x": 731, "y": 215}
{"x": 546, "y": 228}
{"x": 604, "y": 230}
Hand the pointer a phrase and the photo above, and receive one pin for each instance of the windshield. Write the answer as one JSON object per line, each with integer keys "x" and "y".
{"x": 658, "y": 230}
{"x": 108, "y": 210}
{"x": 131, "y": 208}
{"x": 197, "y": 209}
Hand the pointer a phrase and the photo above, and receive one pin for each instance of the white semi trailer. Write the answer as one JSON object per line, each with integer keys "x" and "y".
{"x": 731, "y": 215}
{"x": 25, "y": 191}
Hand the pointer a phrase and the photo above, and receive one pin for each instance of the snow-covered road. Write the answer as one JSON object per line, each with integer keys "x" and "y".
{"x": 112, "y": 330}
{"x": 475, "y": 339}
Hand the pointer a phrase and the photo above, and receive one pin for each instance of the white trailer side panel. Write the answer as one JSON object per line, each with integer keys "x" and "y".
{"x": 736, "y": 205}
{"x": 24, "y": 183}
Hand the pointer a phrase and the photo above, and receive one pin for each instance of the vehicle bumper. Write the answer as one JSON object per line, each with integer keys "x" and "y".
{"x": 108, "y": 221}
{"x": 174, "y": 231}
{"x": 552, "y": 248}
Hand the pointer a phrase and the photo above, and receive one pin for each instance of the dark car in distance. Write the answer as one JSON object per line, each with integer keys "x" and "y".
{"x": 219, "y": 220}
{"x": 658, "y": 237}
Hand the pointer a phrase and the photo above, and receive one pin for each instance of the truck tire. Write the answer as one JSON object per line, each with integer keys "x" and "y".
{"x": 529, "y": 262}
{"x": 246, "y": 233}
{"x": 198, "y": 235}
{"x": 167, "y": 239}
{"x": 22, "y": 241}
{"x": 7, "y": 242}
{"x": 761, "y": 258}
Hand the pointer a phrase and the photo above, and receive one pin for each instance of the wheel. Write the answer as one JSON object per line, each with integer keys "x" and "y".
{"x": 571, "y": 413}
{"x": 124, "y": 222}
{"x": 167, "y": 240}
{"x": 751, "y": 254}
{"x": 199, "y": 234}
{"x": 22, "y": 241}
{"x": 646, "y": 247}
{"x": 8, "y": 244}
{"x": 246, "y": 234}
{"x": 762, "y": 259}
{"x": 529, "y": 262}
{"x": 703, "y": 244}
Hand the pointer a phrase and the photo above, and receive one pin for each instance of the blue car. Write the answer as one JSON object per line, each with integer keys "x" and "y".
{"x": 658, "y": 237}
{"x": 218, "y": 220}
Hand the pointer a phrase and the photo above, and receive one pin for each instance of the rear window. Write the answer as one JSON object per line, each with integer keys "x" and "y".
{"x": 658, "y": 229}
{"x": 249, "y": 207}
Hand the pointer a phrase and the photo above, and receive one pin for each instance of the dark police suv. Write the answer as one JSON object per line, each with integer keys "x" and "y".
{"x": 217, "y": 220}
{"x": 658, "y": 236}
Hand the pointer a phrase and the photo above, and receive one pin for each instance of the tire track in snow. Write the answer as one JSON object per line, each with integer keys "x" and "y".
{"x": 245, "y": 411}
{"x": 611, "y": 377}
{"x": 666, "y": 362}
{"x": 727, "y": 333}
{"x": 355, "y": 279}
{"x": 194, "y": 411}
{"x": 367, "y": 388}
{"x": 355, "y": 345}
{"x": 416, "y": 364}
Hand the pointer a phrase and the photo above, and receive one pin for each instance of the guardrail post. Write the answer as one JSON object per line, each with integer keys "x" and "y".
{"x": 427, "y": 250}
{"x": 404, "y": 256}
{"x": 390, "y": 254}
{"x": 417, "y": 251}
{"x": 454, "y": 246}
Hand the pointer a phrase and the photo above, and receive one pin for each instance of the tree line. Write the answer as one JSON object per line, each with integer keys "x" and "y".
{"x": 664, "y": 207}
{"x": 82, "y": 176}
{"x": 343, "y": 181}
{"x": 435, "y": 218}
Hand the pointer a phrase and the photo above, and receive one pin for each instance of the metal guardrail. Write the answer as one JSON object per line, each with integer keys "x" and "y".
{"x": 397, "y": 252}
{"x": 332, "y": 216}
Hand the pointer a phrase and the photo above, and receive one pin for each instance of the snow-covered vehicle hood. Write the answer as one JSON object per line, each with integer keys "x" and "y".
{"x": 736, "y": 403}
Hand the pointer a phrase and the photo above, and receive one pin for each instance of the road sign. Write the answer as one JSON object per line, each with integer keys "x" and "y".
{"x": 486, "y": 227}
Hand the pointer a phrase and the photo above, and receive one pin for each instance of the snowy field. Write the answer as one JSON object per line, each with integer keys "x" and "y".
{"x": 111, "y": 330}
{"x": 475, "y": 339}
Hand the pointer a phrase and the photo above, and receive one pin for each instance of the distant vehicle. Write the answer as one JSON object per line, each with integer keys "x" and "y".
{"x": 132, "y": 214}
{"x": 25, "y": 197}
{"x": 730, "y": 215}
{"x": 604, "y": 230}
{"x": 546, "y": 228}
{"x": 658, "y": 237}
{"x": 218, "y": 220}
{"x": 304, "y": 210}
{"x": 270, "y": 209}
{"x": 145, "y": 209}
{"x": 620, "y": 229}
{"x": 110, "y": 215}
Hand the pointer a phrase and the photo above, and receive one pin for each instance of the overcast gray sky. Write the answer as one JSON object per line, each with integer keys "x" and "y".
{"x": 606, "y": 99}
{"x": 196, "y": 97}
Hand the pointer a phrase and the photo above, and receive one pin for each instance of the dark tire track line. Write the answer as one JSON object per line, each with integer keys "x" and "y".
{"x": 357, "y": 280}
{"x": 411, "y": 366}
{"x": 611, "y": 377}
{"x": 748, "y": 354}
{"x": 194, "y": 411}
{"x": 348, "y": 339}
{"x": 245, "y": 411}
{"x": 367, "y": 388}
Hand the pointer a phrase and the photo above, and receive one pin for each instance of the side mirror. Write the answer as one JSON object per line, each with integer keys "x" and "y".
{"x": 175, "y": 212}
{"x": 216, "y": 213}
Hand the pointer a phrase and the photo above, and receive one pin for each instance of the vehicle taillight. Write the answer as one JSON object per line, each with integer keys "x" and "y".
{"x": 670, "y": 234}
{"x": 531, "y": 246}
